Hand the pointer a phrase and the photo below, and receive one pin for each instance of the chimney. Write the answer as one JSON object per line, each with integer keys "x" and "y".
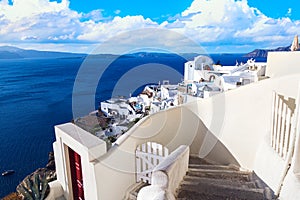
{"x": 295, "y": 44}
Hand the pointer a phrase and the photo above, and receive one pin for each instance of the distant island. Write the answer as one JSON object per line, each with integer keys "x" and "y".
{"x": 263, "y": 53}
{"x": 9, "y": 52}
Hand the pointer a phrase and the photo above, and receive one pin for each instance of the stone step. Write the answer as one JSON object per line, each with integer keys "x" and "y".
{"x": 212, "y": 181}
{"x": 197, "y": 160}
{"x": 220, "y": 174}
{"x": 197, "y": 196}
{"x": 210, "y": 191}
{"x": 207, "y": 181}
{"x": 214, "y": 167}
{"x": 269, "y": 194}
{"x": 188, "y": 195}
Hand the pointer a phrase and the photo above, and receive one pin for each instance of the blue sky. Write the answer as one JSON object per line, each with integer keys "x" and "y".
{"x": 157, "y": 10}
{"x": 214, "y": 25}
{"x": 278, "y": 8}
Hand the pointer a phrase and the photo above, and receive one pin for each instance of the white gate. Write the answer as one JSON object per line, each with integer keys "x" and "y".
{"x": 148, "y": 155}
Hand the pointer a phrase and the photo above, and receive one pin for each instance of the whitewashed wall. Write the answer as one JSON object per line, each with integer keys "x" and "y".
{"x": 283, "y": 63}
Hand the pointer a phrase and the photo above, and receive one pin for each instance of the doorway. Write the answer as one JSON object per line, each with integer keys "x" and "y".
{"x": 76, "y": 175}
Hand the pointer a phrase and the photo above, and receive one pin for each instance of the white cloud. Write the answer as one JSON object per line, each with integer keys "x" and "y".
{"x": 221, "y": 13}
{"x": 51, "y": 22}
{"x": 210, "y": 23}
{"x": 117, "y": 12}
{"x": 100, "y": 32}
{"x": 233, "y": 22}
{"x": 38, "y": 19}
{"x": 28, "y": 8}
{"x": 95, "y": 15}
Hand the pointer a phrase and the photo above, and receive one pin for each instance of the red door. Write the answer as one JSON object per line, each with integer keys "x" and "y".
{"x": 76, "y": 175}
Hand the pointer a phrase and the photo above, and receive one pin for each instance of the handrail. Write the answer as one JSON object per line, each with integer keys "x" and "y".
{"x": 167, "y": 176}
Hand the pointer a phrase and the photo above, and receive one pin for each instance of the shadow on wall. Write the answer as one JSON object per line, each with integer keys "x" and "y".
{"x": 218, "y": 154}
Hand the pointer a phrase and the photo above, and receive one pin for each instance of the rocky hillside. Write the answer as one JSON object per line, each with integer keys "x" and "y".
{"x": 35, "y": 186}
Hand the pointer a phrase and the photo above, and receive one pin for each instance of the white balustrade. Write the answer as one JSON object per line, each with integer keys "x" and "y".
{"x": 283, "y": 124}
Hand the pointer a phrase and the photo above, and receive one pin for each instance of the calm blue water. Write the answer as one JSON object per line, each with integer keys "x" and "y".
{"x": 36, "y": 94}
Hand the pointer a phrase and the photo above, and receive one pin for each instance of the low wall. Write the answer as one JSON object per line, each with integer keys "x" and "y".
{"x": 282, "y": 63}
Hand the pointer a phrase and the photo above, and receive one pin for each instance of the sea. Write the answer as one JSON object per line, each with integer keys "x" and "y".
{"x": 36, "y": 94}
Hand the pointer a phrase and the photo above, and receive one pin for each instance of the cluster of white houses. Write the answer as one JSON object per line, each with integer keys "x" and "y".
{"x": 257, "y": 124}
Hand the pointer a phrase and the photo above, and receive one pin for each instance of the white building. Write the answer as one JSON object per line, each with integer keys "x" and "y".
{"x": 196, "y": 69}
